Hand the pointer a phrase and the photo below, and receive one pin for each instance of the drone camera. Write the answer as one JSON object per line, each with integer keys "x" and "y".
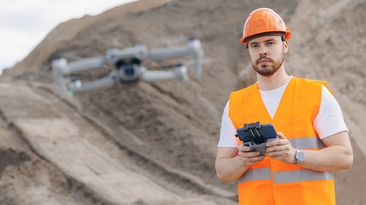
{"x": 130, "y": 70}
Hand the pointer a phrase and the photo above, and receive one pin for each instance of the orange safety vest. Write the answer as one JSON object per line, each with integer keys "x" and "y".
{"x": 271, "y": 181}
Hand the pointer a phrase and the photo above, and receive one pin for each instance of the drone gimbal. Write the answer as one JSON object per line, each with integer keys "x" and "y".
{"x": 128, "y": 67}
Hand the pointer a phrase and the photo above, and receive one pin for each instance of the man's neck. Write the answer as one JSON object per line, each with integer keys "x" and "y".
{"x": 274, "y": 81}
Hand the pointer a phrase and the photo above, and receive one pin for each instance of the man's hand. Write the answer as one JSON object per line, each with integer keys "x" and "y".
{"x": 281, "y": 149}
{"x": 248, "y": 158}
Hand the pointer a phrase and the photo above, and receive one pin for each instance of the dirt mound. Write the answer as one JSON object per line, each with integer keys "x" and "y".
{"x": 101, "y": 146}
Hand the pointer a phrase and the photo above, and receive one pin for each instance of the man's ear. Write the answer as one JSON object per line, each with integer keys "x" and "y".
{"x": 285, "y": 46}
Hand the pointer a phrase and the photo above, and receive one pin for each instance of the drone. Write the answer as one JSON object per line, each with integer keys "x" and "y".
{"x": 128, "y": 68}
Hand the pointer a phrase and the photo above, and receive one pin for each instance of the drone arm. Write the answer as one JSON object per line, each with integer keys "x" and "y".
{"x": 97, "y": 84}
{"x": 61, "y": 84}
{"x": 180, "y": 72}
{"x": 84, "y": 65}
{"x": 160, "y": 54}
{"x": 193, "y": 48}
{"x": 198, "y": 64}
{"x": 57, "y": 66}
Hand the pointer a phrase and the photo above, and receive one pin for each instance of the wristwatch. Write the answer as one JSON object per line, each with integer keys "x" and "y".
{"x": 299, "y": 157}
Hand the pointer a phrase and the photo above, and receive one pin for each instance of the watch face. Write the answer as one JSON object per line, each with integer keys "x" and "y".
{"x": 300, "y": 156}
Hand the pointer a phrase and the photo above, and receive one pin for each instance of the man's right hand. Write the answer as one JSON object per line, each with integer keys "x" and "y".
{"x": 232, "y": 162}
{"x": 248, "y": 158}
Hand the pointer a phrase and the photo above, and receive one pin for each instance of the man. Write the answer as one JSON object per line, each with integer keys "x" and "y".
{"x": 312, "y": 136}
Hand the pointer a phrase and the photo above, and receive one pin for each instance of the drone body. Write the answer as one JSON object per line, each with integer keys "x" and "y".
{"x": 128, "y": 68}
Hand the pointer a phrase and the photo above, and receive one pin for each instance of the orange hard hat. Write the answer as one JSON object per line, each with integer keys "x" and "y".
{"x": 264, "y": 20}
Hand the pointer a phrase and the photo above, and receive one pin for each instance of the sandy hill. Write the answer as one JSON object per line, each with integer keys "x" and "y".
{"x": 155, "y": 143}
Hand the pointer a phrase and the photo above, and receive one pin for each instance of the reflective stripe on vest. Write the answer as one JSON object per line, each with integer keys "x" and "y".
{"x": 307, "y": 143}
{"x": 271, "y": 181}
{"x": 255, "y": 174}
{"x": 301, "y": 175}
{"x": 290, "y": 176}
{"x": 284, "y": 177}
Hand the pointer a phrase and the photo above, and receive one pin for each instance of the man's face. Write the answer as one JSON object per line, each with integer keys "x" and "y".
{"x": 267, "y": 54}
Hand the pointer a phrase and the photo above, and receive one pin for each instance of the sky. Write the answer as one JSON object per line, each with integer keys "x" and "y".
{"x": 25, "y": 23}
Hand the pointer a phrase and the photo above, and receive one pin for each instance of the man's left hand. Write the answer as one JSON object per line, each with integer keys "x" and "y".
{"x": 281, "y": 149}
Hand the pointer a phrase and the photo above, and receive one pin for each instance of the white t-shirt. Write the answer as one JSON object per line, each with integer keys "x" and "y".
{"x": 329, "y": 120}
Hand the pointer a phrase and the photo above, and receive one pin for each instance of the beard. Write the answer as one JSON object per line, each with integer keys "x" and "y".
{"x": 268, "y": 70}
